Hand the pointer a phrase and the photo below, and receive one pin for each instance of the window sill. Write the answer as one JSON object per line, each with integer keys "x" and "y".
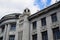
{"x": 44, "y": 28}
{"x": 55, "y": 24}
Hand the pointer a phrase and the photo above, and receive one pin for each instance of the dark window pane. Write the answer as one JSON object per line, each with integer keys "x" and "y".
{"x": 34, "y": 24}
{"x": 34, "y": 37}
{"x": 44, "y": 35}
{"x": 12, "y": 37}
{"x": 1, "y": 38}
{"x": 13, "y": 27}
{"x": 56, "y": 33}
{"x": 54, "y": 17}
{"x": 3, "y": 27}
{"x": 43, "y": 21}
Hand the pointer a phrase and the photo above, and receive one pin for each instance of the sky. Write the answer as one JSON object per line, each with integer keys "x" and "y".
{"x": 18, "y": 6}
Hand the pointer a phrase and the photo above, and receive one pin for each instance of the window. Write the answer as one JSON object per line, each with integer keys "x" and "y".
{"x": 3, "y": 27}
{"x": 43, "y": 21}
{"x": 34, "y": 37}
{"x": 12, "y": 37}
{"x": 34, "y": 24}
{"x": 1, "y": 38}
{"x": 56, "y": 34}
{"x": 13, "y": 27}
{"x": 54, "y": 17}
{"x": 44, "y": 35}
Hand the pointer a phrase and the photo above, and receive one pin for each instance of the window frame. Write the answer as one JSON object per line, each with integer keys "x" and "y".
{"x": 13, "y": 27}
{"x": 56, "y": 33}
{"x": 43, "y": 21}
{"x": 11, "y": 37}
{"x": 34, "y": 37}
{"x": 34, "y": 24}
{"x": 44, "y": 35}
{"x": 54, "y": 17}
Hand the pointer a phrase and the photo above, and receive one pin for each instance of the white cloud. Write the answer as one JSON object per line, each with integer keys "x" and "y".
{"x": 12, "y": 6}
{"x": 44, "y": 3}
{"x": 54, "y": 1}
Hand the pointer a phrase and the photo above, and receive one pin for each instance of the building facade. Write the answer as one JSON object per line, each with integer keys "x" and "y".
{"x": 43, "y": 25}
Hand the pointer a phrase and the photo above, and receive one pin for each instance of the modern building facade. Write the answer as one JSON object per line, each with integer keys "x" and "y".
{"x": 43, "y": 25}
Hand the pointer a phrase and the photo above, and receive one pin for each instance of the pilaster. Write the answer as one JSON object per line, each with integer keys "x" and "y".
{"x": 58, "y": 18}
{"x": 25, "y": 29}
{"x": 31, "y": 31}
{"x": 49, "y": 29}
{"x": 0, "y": 30}
{"x": 5, "y": 31}
{"x": 7, "y": 34}
{"x": 39, "y": 35}
{"x": 17, "y": 26}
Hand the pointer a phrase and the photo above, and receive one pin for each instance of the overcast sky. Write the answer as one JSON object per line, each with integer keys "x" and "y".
{"x": 17, "y": 6}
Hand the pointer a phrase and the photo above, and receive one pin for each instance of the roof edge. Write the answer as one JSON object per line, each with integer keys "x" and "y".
{"x": 44, "y": 10}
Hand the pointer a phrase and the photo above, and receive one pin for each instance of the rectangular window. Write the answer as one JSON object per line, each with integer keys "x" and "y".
{"x": 56, "y": 34}
{"x": 34, "y": 37}
{"x": 44, "y": 35}
{"x": 2, "y": 27}
{"x": 54, "y": 17}
{"x": 12, "y": 37}
{"x": 34, "y": 24}
{"x": 13, "y": 27}
{"x": 43, "y": 21}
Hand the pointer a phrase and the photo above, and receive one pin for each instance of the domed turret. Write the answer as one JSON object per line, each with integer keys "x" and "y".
{"x": 10, "y": 16}
{"x": 26, "y": 14}
{"x": 26, "y": 11}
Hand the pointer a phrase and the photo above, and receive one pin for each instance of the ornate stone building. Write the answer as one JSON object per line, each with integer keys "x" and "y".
{"x": 43, "y": 25}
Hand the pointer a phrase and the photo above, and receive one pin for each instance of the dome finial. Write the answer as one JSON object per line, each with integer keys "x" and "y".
{"x": 26, "y": 11}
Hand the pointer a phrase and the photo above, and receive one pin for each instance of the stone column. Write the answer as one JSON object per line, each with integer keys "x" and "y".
{"x": 5, "y": 31}
{"x": 0, "y": 30}
{"x": 17, "y": 27}
{"x": 7, "y": 34}
{"x": 49, "y": 30}
{"x": 31, "y": 31}
{"x": 39, "y": 35}
{"x": 58, "y": 18}
{"x": 25, "y": 28}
